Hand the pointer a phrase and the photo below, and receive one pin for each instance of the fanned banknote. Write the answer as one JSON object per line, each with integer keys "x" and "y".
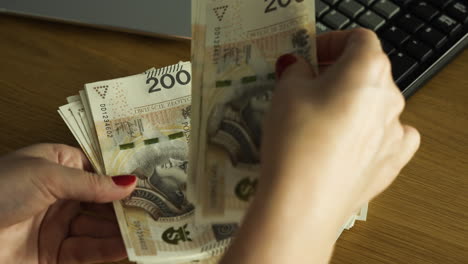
{"x": 239, "y": 43}
{"x": 143, "y": 127}
{"x": 73, "y": 114}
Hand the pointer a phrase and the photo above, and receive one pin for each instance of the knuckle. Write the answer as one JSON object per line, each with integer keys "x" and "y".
{"x": 367, "y": 38}
{"x": 376, "y": 65}
{"x": 400, "y": 132}
{"x": 45, "y": 179}
{"x": 382, "y": 67}
{"x": 42, "y": 168}
{"x": 67, "y": 155}
{"x": 365, "y": 34}
{"x": 399, "y": 102}
{"x": 415, "y": 137}
{"x": 381, "y": 59}
{"x": 96, "y": 183}
{"x": 56, "y": 147}
{"x": 50, "y": 147}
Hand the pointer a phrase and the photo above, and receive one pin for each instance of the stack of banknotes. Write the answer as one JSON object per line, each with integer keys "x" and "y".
{"x": 190, "y": 199}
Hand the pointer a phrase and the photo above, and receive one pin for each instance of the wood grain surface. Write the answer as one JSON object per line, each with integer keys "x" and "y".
{"x": 422, "y": 218}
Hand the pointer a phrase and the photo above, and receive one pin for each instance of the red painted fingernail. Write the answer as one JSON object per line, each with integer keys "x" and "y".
{"x": 283, "y": 63}
{"x": 124, "y": 180}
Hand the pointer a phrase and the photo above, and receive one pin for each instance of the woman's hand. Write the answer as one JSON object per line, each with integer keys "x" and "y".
{"x": 41, "y": 222}
{"x": 337, "y": 139}
{"x": 331, "y": 143}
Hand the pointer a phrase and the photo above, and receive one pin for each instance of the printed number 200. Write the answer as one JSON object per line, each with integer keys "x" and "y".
{"x": 168, "y": 81}
{"x": 282, "y": 3}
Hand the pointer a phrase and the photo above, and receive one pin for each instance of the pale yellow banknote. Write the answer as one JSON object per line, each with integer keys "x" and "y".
{"x": 90, "y": 124}
{"x": 143, "y": 127}
{"x": 78, "y": 129}
{"x": 210, "y": 260}
{"x": 239, "y": 43}
{"x": 73, "y": 115}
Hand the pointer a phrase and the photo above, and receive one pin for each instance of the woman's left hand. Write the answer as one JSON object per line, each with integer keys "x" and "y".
{"x": 42, "y": 188}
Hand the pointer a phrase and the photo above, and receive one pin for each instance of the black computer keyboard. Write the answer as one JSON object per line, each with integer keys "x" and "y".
{"x": 420, "y": 37}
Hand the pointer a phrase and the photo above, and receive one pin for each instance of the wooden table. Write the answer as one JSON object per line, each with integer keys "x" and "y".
{"x": 422, "y": 218}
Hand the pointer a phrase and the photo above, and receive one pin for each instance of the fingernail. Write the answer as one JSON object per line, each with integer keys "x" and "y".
{"x": 124, "y": 180}
{"x": 283, "y": 63}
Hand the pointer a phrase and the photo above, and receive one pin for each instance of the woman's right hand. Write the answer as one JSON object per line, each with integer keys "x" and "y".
{"x": 337, "y": 138}
{"x": 331, "y": 143}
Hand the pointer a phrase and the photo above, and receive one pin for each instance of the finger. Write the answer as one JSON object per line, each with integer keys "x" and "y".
{"x": 54, "y": 228}
{"x": 350, "y": 46}
{"x": 395, "y": 103}
{"x": 362, "y": 62}
{"x": 73, "y": 184}
{"x": 86, "y": 225}
{"x": 403, "y": 151}
{"x": 332, "y": 45}
{"x": 290, "y": 66}
{"x": 361, "y": 74}
{"x": 409, "y": 145}
{"x": 102, "y": 210}
{"x": 82, "y": 250}
{"x": 393, "y": 135}
{"x": 389, "y": 166}
{"x": 58, "y": 153}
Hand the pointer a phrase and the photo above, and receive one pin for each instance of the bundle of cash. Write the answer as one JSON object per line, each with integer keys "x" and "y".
{"x": 140, "y": 125}
{"x": 182, "y": 211}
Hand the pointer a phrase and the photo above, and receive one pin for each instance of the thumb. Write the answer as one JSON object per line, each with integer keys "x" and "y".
{"x": 74, "y": 184}
{"x": 291, "y": 66}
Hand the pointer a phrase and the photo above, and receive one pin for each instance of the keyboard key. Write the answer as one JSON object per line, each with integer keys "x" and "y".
{"x": 395, "y": 35}
{"x": 386, "y": 8}
{"x": 402, "y": 65}
{"x": 371, "y": 20}
{"x": 366, "y": 2}
{"x": 351, "y": 8}
{"x": 433, "y": 37}
{"x": 320, "y": 8}
{"x": 321, "y": 28}
{"x": 440, "y": 3}
{"x": 387, "y": 47}
{"x": 418, "y": 50}
{"x": 401, "y": 2}
{"x": 331, "y": 2}
{"x": 447, "y": 24}
{"x": 410, "y": 23}
{"x": 459, "y": 11}
{"x": 335, "y": 20}
{"x": 352, "y": 26}
{"x": 424, "y": 10}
